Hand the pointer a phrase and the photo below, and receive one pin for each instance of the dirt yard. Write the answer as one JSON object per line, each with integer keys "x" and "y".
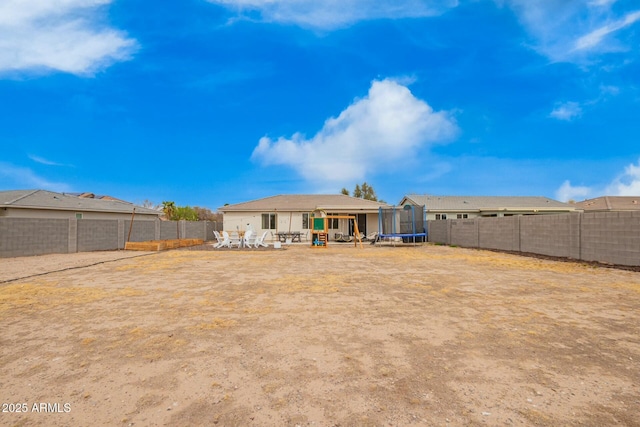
{"x": 379, "y": 336}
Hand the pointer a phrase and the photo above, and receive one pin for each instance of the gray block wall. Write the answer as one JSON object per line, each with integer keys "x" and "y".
{"x": 33, "y": 236}
{"x": 97, "y": 235}
{"x": 168, "y": 230}
{"x": 553, "y": 235}
{"x": 141, "y": 231}
{"x": 464, "y": 233}
{"x": 438, "y": 232}
{"x": 39, "y": 236}
{"x": 498, "y": 233}
{"x": 611, "y": 237}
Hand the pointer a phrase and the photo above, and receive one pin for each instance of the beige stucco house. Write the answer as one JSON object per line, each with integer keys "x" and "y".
{"x": 292, "y": 212}
{"x": 48, "y": 204}
{"x": 460, "y": 207}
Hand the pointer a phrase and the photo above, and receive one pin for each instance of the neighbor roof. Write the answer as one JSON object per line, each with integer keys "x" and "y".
{"x": 42, "y": 199}
{"x": 475, "y": 203}
{"x": 304, "y": 203}
{"x": 610, "y": 203}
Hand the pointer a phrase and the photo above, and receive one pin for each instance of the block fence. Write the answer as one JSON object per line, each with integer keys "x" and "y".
{"x": 39, "y": 236}
{"x": 608, "y": 237}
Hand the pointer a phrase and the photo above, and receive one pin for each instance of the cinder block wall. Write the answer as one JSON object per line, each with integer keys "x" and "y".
{"x": 438, "y": 232}
{"x": 554, "y": 235}
{"x": 33, "y": 236}
{"x": 464, "y": 233}
{"x": 168, "y": 230}
{"x": 498, "y": 233}
{"x": 141, "y": 230}
{"x": 611, "y": 237}
{"x": 195, "y": 230}
{"x": 39, "y": 236}
{"x": 97, "y": 235}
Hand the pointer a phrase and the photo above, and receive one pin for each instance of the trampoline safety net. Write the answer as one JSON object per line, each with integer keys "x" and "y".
{"x": 407, "y": 222}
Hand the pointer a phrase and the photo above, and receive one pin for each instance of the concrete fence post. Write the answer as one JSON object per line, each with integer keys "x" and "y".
{"x": 157, "y": 230}
{"x": 121, "y": 234}
{"x": 516, "y": 233}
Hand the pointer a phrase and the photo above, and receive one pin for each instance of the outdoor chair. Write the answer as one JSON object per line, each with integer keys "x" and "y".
{"x": 235, "y": 239}
{"x": 249, "y": 239}
{"x": 218, "y": 239}
{"x": 260, "y": 240}
{"x": 226, "y": 241}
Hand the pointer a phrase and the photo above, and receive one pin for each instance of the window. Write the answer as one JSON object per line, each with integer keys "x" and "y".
{"x": 441, "y": 216}
{"x": 334, "y": 223}
{"x": 460, "y": 216}
{"x": 78, "y": 216}
{"x": 305, "y": 221}
{"x": 269, "y": 221}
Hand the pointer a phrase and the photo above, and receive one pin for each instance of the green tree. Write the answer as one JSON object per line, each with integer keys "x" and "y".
{"x": 169, "y": 209}
{"x": 364, "y": 191}
{"x": 344, "y": 191}
{"x": 357, "y": 192}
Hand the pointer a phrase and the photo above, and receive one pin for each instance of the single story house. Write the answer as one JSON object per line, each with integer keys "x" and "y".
{"x": 459, "y": 207}
{"x": 48, "y": 204}
{"x": 292, "y": 212}
{"x": 610, "y": 204}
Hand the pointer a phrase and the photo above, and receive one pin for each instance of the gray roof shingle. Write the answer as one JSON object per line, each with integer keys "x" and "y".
{"x": 475, "y": 203}
{"x": 43, "y": 199}
{"x": 610, "y": 203}
{"x": 304, "y": 203}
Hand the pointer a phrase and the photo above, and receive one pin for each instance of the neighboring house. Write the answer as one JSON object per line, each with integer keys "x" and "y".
{"x": 284, "y": 213}
{"x": 47, "y": 204}
{"x": 610, "y": 204}
{"x": 460, "y": 207}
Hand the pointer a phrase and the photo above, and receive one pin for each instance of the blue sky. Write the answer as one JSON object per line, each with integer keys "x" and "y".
{"x": 222, "y": 101}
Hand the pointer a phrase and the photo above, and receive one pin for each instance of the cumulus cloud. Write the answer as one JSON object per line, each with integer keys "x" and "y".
{"x": 63, "y": 35}
{"x": 572, "y": 30}
{"x": 331, "y": 14}
{"x": 628, "y": 183}
{"x": 568, "y": 192}
{"x": 383, "y": 129}
{"x": 566, "y": 111}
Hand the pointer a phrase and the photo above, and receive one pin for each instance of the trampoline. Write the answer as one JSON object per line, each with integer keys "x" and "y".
{"x": 406, "y": 224}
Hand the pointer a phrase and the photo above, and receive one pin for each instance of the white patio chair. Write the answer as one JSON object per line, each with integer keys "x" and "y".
{"x": 226, "y": 241}
{"x": 235, "y": 239}
{"x": 218, "y": 239}
{"x": 260, "y": 240}
{"x": 249, "y": 238}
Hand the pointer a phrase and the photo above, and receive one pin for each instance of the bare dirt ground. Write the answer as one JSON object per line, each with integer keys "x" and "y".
{"x": 426, "y": 335}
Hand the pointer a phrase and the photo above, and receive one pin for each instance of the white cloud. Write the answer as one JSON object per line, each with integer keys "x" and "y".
{"x": 566, "y": 111}
{"x": 331, "y": 14}
{"x": 63, "y": 35}
{"x": 20, "y": 178}
{"x": 568, "y": 192}
{"x": 375, "y": 133}
{"x": 572, "y": 30}
{"x": 627, "y": 184}
{"x": 44, "y": 161}
{"x": 595, "y": 37}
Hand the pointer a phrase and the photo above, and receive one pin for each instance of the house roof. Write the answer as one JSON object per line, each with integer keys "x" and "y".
{"x": 304, "y": 203}
{"x": 42, "y": 199}
{"x": 485, "y": 203}
{"x": 610, "y": 203}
